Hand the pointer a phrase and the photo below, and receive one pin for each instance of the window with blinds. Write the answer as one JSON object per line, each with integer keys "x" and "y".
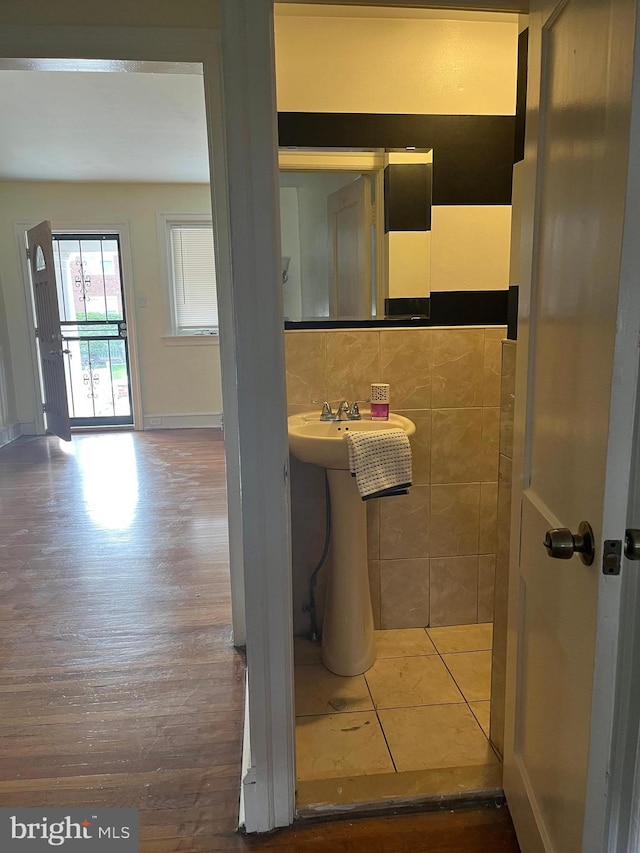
{"x": 193, "y": 273}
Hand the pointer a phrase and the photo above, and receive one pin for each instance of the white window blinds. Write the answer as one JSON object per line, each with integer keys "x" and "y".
{"x": 194, "y": 279}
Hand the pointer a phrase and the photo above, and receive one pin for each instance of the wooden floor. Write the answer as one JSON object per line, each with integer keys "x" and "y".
{"x": 119, "y": 685}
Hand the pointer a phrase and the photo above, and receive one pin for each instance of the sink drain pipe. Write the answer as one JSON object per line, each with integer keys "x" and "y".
{"x": 314, "y": 636}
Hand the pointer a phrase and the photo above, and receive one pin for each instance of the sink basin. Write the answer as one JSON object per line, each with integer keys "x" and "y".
{"x": 323, "y": 442}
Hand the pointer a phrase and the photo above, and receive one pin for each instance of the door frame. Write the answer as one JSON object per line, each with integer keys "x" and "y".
{"x": 122, "y": 230}
{"x": 241, "y": 124}
{"x": 613, "y": 719}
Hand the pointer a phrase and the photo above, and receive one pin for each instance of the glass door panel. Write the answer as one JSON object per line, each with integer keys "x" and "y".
{"x": 94, "y": 329}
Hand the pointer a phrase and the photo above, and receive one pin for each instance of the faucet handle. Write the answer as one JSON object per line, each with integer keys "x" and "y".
{"x": 326, "y": 414}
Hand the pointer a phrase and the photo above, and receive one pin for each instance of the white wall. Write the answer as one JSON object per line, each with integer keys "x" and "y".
{"x": 176, "y": 380}
{"x": 8, "y": 416}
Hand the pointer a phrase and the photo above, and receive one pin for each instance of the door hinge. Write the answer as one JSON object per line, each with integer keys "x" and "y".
{"x": 611, "y": 556}
{"x": 37, "y": 334}
{"x": 28, "y": 254}
{"x": 44, "y": 408}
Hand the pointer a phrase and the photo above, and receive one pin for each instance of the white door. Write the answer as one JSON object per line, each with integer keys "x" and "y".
{"x": 578, "y": 348}
{"x": 350, "y": 218}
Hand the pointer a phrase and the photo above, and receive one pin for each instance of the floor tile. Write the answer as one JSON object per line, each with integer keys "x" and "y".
{"x": 319, "y": 691}
{"x": 462, "y": 638}
{"x": 305, "y": 652}
{"x": 403, "y": 642}
{"x": 403, "y": 682}
{"x": 335, "y": 745}
{"x": 435, "y": 736}
{"x": 482, "y": 713}
{"x": 472, "y": 672}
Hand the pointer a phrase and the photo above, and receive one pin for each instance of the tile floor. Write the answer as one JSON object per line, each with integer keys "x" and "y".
{"x": 423, "y": 705}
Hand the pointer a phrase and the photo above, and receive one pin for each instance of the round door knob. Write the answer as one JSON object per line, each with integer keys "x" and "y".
{"x": 559, "y": 543}
{"x": 632, "y": 544}
{"x": 562, "y": 544}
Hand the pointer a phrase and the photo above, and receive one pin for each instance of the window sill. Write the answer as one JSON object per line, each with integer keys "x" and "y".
{"x": 191, "y": 340}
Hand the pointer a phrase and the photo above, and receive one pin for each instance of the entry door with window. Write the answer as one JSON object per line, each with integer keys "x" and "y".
{"x": 94, "y": 329}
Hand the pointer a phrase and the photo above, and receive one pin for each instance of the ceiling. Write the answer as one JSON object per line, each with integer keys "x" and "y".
{"x": 103, "y": 126}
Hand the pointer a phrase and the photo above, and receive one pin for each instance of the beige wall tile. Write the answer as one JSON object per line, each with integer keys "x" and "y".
{"x": 405, "y": 363}
{"x": 403, "y": 682}
{"x": 490, "y": 445}
{"x": 488, "y": 518}
{"x": 486, "y": 587}
{"x": 420, "y": 444}
{"x": 456, "y": 445}
{"x": 351, "y": 364}
{"x": 455, "y": 520}
{"x": 492, "y": 364}
{"x": 499, "y": 657}
{"x": 504, "y": 509}
{"x": 458, "y": 365}
{"x": 298, "y": 408}
{"x": 472, "y": 673}
{"x": 495, "y": 333}
{"x": 496, "y": 728}
{"x": 328, "y": 748}
{"x": 374, "y": 587}
{"x": 304, "y": 357}
{"x": 404, "y": 525}
{"x": 404, "y": 593}
{"x": 435, "y": 736}
{"x": 507, "y": 397}
{"x": 373, "y": 528}
{"x": 453, "y": 591}
{"x": 500, "y": 612}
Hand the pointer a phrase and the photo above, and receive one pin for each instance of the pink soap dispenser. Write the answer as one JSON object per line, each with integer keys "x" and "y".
{"x": 379, "y": 401}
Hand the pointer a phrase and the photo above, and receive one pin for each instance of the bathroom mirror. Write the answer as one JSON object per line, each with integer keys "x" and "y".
{"x": 355, "y": 231}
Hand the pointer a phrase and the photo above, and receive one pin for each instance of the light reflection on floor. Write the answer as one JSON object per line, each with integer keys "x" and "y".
{"x": 110, "y": 477}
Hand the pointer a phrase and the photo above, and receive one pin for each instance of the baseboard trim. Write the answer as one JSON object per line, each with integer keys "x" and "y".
{"x": 210, "y": 420}
{"x": 28, "y": 428}
{"x": 9, "y": 434}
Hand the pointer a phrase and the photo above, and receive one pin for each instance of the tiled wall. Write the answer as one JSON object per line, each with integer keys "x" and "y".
{"x": 432, "y": 553}
{"x": 498, "y": 670}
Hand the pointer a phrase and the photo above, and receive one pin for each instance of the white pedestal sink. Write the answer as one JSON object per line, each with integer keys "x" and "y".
{"x": 348, "y": 645}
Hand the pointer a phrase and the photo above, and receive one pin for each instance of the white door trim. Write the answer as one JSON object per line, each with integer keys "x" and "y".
{"x": 122, "y": 230}
{"x": 252, "y": 159}
{"x": 251, "y": 344}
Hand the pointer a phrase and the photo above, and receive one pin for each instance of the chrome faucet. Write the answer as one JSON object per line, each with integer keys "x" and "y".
{"x": 344, "y": 408}
{"x": 345, "y": 411}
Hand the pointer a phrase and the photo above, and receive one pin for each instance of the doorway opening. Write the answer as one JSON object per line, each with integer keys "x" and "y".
{"x": 93, "y": 325}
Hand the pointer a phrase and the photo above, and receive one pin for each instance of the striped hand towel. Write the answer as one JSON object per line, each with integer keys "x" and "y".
{"x": 381, "y": 462}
